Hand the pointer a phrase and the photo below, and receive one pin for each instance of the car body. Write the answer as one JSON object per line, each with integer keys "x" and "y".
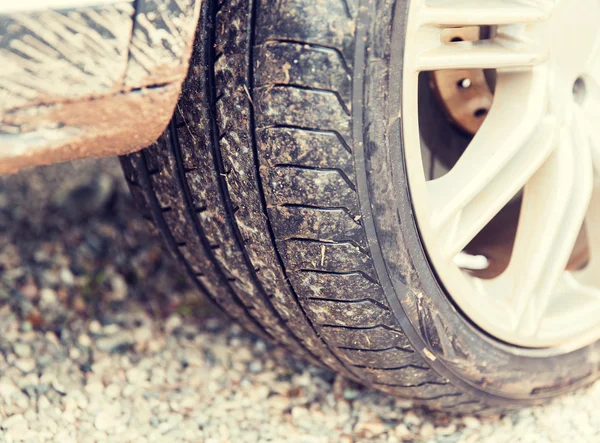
{"x": 88, "y": 78}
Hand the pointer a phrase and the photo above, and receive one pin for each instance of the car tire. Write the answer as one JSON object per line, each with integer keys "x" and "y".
{"x": 280, "y": 185}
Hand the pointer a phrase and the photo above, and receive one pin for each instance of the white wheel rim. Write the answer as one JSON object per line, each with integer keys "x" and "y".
{"x": 542, "y": 135}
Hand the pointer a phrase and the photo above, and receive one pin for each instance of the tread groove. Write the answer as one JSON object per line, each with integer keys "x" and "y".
{"x": 312, "y": 89}
{"x": 346, "y": 241}
{"x": 311, "y": 129}
{"x": 322, "y": 208}
{"x": 315, "y": 168}
{"x": 407, "y": 350}
{"x": 319, "y": 271}
{"x": 416, "y": 385}
{"x": 395, "y": 368}
{"x": 364, "y": 328}
{"x": 351, "y": 302}
{"x": 313, "y": 45}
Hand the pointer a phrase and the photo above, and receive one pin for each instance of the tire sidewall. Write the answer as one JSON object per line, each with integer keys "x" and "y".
{"x": 452, "y": 345}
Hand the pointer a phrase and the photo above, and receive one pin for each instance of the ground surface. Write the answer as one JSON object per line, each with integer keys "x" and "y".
{"x": 103, "y": 339}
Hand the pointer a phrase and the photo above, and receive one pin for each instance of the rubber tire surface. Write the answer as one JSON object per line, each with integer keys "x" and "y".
{"x": 273, "y": 186}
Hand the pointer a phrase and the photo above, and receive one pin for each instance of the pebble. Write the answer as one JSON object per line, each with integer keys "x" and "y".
{"x": 25, "y": 364}
{"x": 136, "y": 376}
{"x": 104, "y": 421}
{"x": 172, "y": 323}
{"x": 410, "y": 418}
{"x": 22, "y": 350}
{"x": 48, "y": 296}
{"x": 111, "y": 329}
{"x": 116, "y": 342}
{"x": 84, "y": 340}
{"x": 369, "y": 429}
{"x": 112, "y": 391}
{"x": 402, "y": 431}
{"x": 94, "y": 388}
{"x": 95, "y": 327}
{"x": 471, "y": 422}
{"x": 66, "y": 276}
{"x": 427, "y": 430}
{"x": 15, "y": 423}
{"x": 118, "y": 288}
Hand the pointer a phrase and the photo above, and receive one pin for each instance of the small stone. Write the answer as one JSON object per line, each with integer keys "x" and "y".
{"x": 95, "y": 327}
{"x": 43, "y": 403}
{"x": 129, "y": 390}
{"x": 112, "y": 391}
{"x": 104, "y": 421}
{"x": 25, "y": 364}
{"x": 446, "y": 430}
{"x": 80, "y": 398}
{"x": 7, "y": 389}
{"x": 345, "y": 438}
{"x": 22, "y": 350}
{"x": 119, "y": 288}
{"x": 59, "y": 387}
{"x": 94, "y": 388}
{"x": 142, "y": 336}
{"x": 111, "y": 329}
{"x": 410, "y": 418}
{"x": 369, "y": 429}
{"x": 402, "y": 431}
{"x": 260, "y": 347}
{"x": 79, "y": 304}
{"x": 136, "y": 376}
{"x": 427, "y": 430}
{"x": 74, "y": 353}
{"x": 84, "y": 340}
{"x": 172, "y": 323}
{"x": 66, "y": 276}
{"x": 15, "y": 422}
{"x": 350, "y": 394}
{"x": 243, "y": 355}
{"x": 298, "y": 413}
{"x": 121, "y": 342}
{"x": 279, "y": 402}
{"x": 259, "y": 393}
{"x": 471, "y": 422}
{"x": 52, "y": 338}
{"x": 255, "y": 366}
{"x": 47, "y": 296}
{"x": 70, "y": 403}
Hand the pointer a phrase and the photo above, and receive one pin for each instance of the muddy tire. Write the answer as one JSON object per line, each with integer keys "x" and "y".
{"x": 280, "y": 186}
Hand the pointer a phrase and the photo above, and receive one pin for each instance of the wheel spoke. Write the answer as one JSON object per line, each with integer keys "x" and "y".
{"x": 489, "y": 12}
{"x": 555, "y": 203}
{"x": 507, "y": 49}
{"x": 486, "y": 54}
{"x": 513, "y": 142}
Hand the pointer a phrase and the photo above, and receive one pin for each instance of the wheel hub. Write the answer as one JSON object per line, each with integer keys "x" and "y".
{"x": 537, "y": 150}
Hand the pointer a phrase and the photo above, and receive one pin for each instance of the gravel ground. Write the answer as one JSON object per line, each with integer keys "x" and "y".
{"x": 103, "y": 339}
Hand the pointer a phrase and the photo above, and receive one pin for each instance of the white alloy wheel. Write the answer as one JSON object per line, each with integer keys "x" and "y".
{"x": 540, "y": 140}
